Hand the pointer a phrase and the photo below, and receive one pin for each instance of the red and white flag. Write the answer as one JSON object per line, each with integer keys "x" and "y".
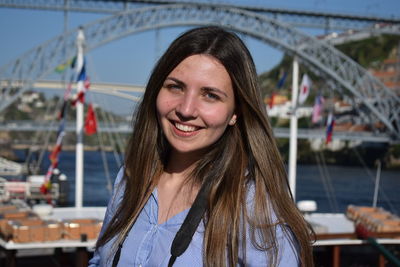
{"x": 304, "y": 89}
{"x": 90, "y": 122}
{"x": 46, "y": 186}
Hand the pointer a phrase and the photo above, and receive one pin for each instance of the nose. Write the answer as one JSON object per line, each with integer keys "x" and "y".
{"x": 187, "y": 108}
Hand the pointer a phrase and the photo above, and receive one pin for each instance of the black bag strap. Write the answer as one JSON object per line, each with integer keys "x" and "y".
{"x": 185, "y": 233}
{"x": 117, "y": 254}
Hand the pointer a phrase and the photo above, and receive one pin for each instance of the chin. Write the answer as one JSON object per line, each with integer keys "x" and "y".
{"x": 191, "y": 150}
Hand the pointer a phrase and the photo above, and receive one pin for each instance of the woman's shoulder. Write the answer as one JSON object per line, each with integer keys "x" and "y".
{"x": 120, "y": 180}
{"x": 118, "y": 189}
{"x": 120, "y": 176}
{"x": 252, "y": 200}
{"x": 284, "y": 238}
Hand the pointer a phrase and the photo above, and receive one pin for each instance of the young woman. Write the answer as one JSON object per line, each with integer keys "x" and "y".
{"x": 203, "y": 182}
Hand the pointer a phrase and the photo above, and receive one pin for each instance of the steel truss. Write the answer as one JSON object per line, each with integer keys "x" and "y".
{"x": 299, "y": 18}
{"x": 370, "y": 97}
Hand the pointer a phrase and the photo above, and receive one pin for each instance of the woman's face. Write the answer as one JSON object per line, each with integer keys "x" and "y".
{"x": 196, "y": 103}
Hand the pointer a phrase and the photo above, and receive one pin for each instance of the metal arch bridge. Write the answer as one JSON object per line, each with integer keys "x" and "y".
{"x": 298, "y": 18}
{"x": 373, "y": 101}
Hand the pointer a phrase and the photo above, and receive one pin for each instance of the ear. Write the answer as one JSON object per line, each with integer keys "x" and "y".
{"x": 233, "y": 120}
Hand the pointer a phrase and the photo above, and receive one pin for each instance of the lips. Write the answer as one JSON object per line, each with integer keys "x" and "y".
{"x": 184, "y": 130}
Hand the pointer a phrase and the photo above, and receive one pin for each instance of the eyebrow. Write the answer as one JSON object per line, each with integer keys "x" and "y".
{"x": 179, "y": 82}
{"x": 207, "y": 88}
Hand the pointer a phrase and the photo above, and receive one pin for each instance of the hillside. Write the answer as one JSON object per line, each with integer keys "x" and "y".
{"x": 371, "y": 52}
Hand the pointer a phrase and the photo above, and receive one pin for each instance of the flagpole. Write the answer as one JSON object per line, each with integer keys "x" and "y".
{"x": 79, "y": 125}
{"x": 293, "y": 129}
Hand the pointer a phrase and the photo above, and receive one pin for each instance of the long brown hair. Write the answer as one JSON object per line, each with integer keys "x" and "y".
{"x": 245, "y": 156}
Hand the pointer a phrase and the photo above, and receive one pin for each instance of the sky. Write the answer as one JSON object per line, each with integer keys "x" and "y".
{"x": 130, "y": 60}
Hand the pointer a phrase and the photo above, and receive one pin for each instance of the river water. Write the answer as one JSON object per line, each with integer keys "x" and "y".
{"x": 332, "y": 187}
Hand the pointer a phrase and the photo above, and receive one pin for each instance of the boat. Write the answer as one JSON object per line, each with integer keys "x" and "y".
{"x": 30, "y": 189}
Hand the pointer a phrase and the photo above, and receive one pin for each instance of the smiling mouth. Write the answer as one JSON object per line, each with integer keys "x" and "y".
{"x": 186, "y": 128}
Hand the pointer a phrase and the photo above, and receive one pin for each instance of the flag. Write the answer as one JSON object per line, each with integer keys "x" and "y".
{"x": 82, "y": 77}
{"x": 271, "y": 100}
{"x": 90, "y": 122}
{"x": 61, "y": 131}
{"x": 82, "y": 74}
{"x": 317, "y": 109}
{"x": 73, "y": 62}
{"x": 67, "y": 92}
{"x": 80, "y": 97}
{"x": 330, "y": 123}
{"x": 61, "y": 68}
{"x": 78, "y": 64}
{"x": 86, "y": 83}
{"x": 46, "y": 186}
{"x": 57, "y": 148}
{"x": 61, "y": 112}
{"x": 281, "y": 81}
{"x": 304, "y": 89}
{"x": 54, "y": 155}
{"x": 282, "y": 78}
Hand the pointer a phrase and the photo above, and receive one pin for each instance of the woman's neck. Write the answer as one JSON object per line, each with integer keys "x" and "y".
{"x": 176, "y": 190}
{"x": 181, "y": 163}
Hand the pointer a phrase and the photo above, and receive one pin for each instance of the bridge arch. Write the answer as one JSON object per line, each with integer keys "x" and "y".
{"x": 367, "y": 93}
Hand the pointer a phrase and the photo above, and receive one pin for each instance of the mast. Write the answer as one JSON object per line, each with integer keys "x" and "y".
{"x": 293, "y": 129}
{"x": 377, "y": 180}
{"x": 80, "y": 42}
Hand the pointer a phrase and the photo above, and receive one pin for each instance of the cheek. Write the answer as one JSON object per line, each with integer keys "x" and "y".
{"x": 162, "y": 105}
{"x": 165, "y": 103}
{"x": 217, "y": 117}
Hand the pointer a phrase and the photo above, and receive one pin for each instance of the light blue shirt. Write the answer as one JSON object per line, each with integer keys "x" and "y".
{"x": 148, "y": 243}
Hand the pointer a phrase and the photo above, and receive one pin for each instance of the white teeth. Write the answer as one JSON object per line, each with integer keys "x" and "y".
{"x": 185, "y": 128}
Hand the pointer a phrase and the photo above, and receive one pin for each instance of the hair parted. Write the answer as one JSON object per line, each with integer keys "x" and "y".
{"x": 245, "y": 156}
